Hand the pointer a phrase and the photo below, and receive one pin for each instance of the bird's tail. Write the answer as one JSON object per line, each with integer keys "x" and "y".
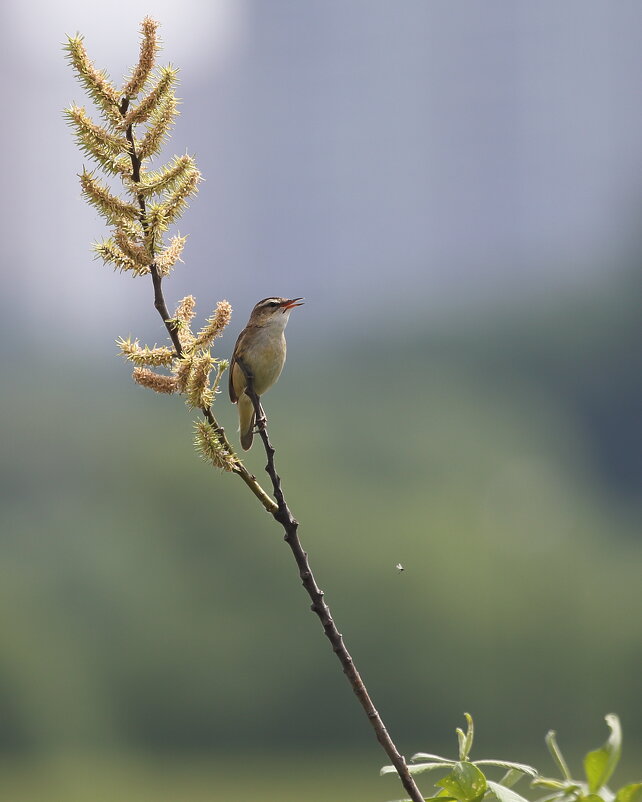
{"x": 246, "y": 421}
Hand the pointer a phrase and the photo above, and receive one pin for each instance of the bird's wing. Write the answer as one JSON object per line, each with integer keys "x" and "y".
{"x": 233, "y": 395}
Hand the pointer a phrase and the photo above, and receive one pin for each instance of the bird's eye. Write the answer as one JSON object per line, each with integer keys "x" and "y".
{"x": 273, "y": 303}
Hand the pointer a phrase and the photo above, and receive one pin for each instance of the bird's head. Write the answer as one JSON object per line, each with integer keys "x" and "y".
{"x": 272, "y": 311}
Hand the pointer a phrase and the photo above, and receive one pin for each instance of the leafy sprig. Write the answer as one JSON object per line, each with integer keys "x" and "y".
{"x": 466, "y": 780}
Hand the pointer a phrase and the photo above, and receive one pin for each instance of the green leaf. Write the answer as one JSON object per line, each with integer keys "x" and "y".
{"x": 559, "y": 796}
{"x": 441, "y": 797}
{"x": 504, "y": 794}
{"x": 600, "y": 764}
{"x": 511, "y": 777}
{"x": 465, "y": 782}
{"x": 429, "y": 756}
{"x": 466, "y": 740}
{"x": 509, "y": 764}
{"x": 630, "y": 793}
{"x": 553, "y": 748}
{"x": 550, "y": 782}
{"x": 418, "y": 768}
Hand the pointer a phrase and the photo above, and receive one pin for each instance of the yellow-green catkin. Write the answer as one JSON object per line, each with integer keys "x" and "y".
{"x": 89, "y": 133}
{"x": 143, "y": 110}
{"x": 149, "y": 47}
{"x": 215, "y": 325}
{"x": 136, "y": 252}
{"x": 158, "y": 356}
{"x": 211, "y": 449}
{"x": 182, "y": 368}
{"x": 198, "y": 392}
{"x": 110, "y": 253}
{"x": 174, "y": 205}
{"x": 157, "y": 382}
{"x": 166, "y": 260}
{"x": 113, "y": 208}
{"x": 95, "y": 82}
{"x": 110, "y": 150}
{"x": 156, "y": 224}
{"x": 183, "y": 317}
{"x": 156, "y": 199}
{"x": 157, "y": 181}
{"x": 160, "y": 123}
{"x": 186, "y": 309}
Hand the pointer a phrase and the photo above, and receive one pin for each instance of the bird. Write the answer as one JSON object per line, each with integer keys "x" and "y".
{"x": 259, "y": 351}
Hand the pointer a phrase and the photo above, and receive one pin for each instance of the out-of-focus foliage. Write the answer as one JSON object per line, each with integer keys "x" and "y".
{"x": 466, "y": 780}
{"x": 143, "y": 594}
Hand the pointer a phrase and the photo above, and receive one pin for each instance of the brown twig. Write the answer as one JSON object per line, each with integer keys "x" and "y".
{"x": 290, "y": 526}
{"x": 172, "y": 329}
{"x": 281, "y": 513}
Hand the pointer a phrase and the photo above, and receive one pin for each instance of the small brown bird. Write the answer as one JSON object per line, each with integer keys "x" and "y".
{"x": 260, "y": 348}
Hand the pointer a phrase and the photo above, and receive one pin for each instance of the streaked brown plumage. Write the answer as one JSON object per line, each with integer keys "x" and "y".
{"x": 261, "y": 348}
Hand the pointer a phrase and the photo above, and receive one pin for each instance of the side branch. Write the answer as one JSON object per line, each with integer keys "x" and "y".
{"x": 159, "y": 299}
{"x": 161, "y": 306}
{"x": 240, "y": 469}
{"x": 290, "y": 525}
{"x": 172, "y": 329}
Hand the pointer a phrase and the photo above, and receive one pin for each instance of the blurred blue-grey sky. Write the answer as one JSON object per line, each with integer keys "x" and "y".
{"x": 439, "y": 154}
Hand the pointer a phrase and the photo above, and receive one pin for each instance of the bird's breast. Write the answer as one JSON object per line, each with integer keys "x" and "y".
{"x": 265, "y": 357}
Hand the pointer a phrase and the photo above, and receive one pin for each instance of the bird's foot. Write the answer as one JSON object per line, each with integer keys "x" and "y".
{"x": 260, "y": 424}
{"x": 261, "y": 420}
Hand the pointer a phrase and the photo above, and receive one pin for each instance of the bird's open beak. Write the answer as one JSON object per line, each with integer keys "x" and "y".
{"x": 291, "y": 304}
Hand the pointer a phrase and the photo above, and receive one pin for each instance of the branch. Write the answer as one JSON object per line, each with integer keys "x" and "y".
{"x": 172, "y": 329}
{"x": 249, "y": 478}
{"x": 180, "y": 181}
{"x": 279, "y": 508}
{"x": 290, "y": 526}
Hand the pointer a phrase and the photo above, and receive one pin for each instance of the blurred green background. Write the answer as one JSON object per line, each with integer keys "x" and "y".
{"x": 455, "y": 189}
{"x": 151, "y": 608}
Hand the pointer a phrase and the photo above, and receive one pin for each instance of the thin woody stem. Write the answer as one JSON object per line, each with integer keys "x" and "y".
{"x": 157, "y": 279}
{"x": 172, "y": 329}
{"x": 290, "y": 526}
{"x": 240, "y": 469}
{"x": 278, "y": 508}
